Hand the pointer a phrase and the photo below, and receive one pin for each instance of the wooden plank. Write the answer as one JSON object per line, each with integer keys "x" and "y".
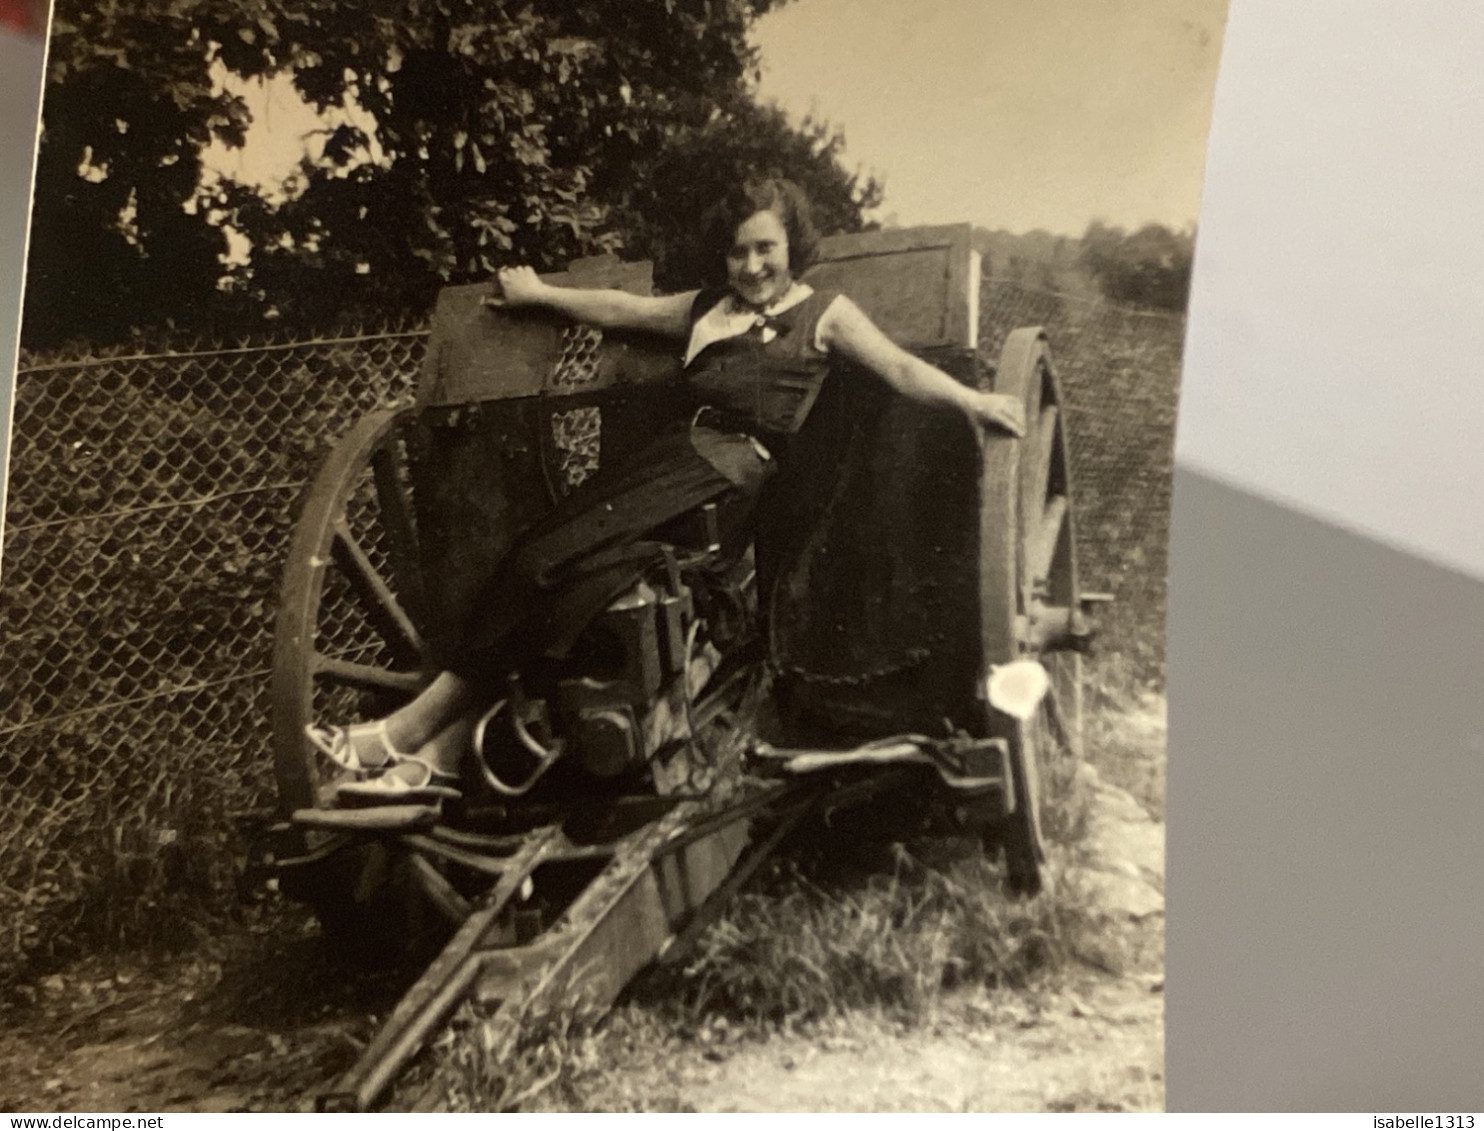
{"x": 961, "y": 295}
{"x": 1040, "y": 543}
{"x": 445, "y": 983}
{"x": 893, "y": 241}
{"x": 379, "y": 818}
{"x": 478, "y": 354}
{"x": 367, "y": 677}
{"x": 1035, "y": 474}
{"x": 920, "y": 285}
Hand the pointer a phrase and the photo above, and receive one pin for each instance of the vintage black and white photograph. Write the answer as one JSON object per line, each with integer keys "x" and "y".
{"x": 580, "y": 556}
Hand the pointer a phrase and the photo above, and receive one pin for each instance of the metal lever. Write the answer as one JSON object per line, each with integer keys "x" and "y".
{"x": 546, "y": 757}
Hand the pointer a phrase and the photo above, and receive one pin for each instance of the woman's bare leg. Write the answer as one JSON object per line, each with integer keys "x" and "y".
{"x": 440, "y": 704}
{"x": 447, "y": 748}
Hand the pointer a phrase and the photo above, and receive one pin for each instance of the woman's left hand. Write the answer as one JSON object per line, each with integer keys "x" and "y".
{"x": 517, "y": 286}
{"x": 999, "y": 411}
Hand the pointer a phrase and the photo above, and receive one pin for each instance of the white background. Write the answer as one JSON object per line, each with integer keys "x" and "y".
{"x": 20, "y": 79}
{"x": 1336, "y": 350}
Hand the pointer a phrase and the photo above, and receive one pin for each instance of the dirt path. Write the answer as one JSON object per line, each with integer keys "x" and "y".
{"x": 1095, "y": 1047}
{"x": 250, "y": 1027}
{"x": 263, "y": 1022}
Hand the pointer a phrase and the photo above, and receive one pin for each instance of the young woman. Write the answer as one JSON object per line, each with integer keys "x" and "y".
{"x": 760, "y": 348}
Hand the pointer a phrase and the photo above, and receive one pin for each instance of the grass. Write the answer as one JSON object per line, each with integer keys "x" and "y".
{"x": 1126, "y": 730}
{"x": 1131, "y": 1087}
{"x": 490, "y": 1066}
{"x": 123, "y": 878}
{"x": 802, "y": 951}
{"x": 811, "y": 947}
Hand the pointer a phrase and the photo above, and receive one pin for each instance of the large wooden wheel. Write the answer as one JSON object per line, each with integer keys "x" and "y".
{"x": 347, "y": 643}
{"x": 1029, "y": 597}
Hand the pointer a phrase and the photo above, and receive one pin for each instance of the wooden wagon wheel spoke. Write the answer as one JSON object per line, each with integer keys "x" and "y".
{"x": 1040, "y": 446}
{"x": 1041, "y": 541}
{"x": 367, "y": 677}
{"x": 395, "y": 508}
{"x": 349, "y": 608}
{"x": 1057, "y": 721}
{"x": 380, "y": 603}
{"x": 1024, "y": 872}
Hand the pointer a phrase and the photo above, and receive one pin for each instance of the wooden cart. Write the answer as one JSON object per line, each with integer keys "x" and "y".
{"x": 623, "y": 831}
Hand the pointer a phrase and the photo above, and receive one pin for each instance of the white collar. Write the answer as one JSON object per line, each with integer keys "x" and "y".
{"x": 730, "y": 319}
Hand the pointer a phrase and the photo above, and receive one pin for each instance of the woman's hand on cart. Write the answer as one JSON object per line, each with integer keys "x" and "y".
{"x": 998, "y": 411}
{"x": 516, "y": 286}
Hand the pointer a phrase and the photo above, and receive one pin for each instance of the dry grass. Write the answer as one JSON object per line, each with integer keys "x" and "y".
{"x": 811, "y": 946}
{"x": 487, "y": 1065}
{"x": 1126, "y": 731}
{"x": 809, "y": 949}
{"x": 1126, "y": 1087}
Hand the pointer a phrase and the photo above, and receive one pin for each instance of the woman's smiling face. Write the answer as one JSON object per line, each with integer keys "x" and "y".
{"x": 757, "y": 264}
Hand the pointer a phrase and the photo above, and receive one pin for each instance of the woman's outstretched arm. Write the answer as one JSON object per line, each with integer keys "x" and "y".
{"x": 606, "y": 309}
{"x": 846, "y": 329}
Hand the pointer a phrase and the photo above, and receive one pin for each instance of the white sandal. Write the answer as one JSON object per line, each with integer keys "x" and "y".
{"x": 362, "y": 748}
{"x": 410, "y": 780}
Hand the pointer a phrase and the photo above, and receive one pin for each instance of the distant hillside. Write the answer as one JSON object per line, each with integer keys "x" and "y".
{"x": 1039, "y": 260}
{"x": 1148, "y": 268}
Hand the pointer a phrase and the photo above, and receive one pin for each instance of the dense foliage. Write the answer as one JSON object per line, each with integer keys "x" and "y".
{"x": 1149, "y": 267}
{"x": 528, "y": 131}
{"x": 119, "y": 238}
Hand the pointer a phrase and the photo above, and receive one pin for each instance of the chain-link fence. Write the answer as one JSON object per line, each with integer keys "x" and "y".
{"x": 150, "y": 508}
{"x": 151, "y": 502}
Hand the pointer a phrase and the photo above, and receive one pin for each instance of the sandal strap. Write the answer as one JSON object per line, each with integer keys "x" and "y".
{"x": 343, "y": 745}
{"x": 430, "y": 782}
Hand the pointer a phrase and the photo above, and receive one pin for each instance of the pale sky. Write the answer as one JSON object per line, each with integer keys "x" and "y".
{"x": 1013, "y": 114}
{"x": 283, "y": 128}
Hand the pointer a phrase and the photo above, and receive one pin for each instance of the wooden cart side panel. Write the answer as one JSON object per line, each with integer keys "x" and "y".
{"x": 920, "y": 285}
{"x": 478, "y": 354}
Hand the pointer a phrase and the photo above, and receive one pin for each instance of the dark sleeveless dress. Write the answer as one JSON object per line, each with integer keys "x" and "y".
{"x": 747, "y": 392}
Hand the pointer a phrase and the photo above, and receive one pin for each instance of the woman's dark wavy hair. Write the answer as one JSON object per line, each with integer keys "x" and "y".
{"x": 784, "y": 199}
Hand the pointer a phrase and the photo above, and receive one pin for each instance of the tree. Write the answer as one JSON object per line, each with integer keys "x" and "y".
{"x": 1150, "y": 267}
{"x": 661, "y": 204}
{"x": 528, "y": 130}
{"x": 550, "y": 132}
{"x": 119, "y": 238}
